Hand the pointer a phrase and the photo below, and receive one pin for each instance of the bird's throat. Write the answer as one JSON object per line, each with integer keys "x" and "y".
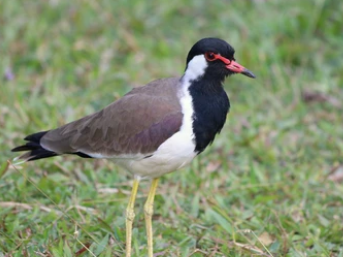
{"x": 211, "y": 105}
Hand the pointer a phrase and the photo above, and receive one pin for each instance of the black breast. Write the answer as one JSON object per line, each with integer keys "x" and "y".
{"x": 211, "y": 105}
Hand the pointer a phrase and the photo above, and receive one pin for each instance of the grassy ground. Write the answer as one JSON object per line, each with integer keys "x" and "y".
{"x": 270, "y": 185}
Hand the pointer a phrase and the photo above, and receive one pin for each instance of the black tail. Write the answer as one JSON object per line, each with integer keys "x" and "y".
{"x": 36, "y": 151}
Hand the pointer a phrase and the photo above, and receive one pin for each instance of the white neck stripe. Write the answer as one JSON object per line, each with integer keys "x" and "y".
{"x": 195, "y": 69}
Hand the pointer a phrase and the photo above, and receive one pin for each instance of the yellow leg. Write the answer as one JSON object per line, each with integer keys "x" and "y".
{"x": 130, "y": 215}
{"x": 149, "y": 210}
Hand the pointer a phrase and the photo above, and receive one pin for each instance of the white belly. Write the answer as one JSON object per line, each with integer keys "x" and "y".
{"x": 173, "y": 154}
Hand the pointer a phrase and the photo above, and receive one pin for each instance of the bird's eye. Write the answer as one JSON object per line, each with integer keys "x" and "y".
{"x": 210, "y": 56}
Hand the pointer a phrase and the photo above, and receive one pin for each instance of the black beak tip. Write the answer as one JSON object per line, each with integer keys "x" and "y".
{"x": 248, "y": 73}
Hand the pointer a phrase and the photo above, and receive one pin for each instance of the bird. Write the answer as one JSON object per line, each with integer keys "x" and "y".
{"x": 154, "y": 129}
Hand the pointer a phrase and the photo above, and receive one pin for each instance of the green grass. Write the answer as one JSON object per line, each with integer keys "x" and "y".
{"x": 270, "y": 184}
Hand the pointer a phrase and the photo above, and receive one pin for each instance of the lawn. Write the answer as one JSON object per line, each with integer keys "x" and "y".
{"x": 270, "y": 185}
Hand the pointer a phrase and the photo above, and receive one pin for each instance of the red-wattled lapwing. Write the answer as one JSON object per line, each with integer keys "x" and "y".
{"x": 152, "y": 130}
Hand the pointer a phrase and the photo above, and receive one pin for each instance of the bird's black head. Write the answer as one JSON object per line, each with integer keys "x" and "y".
{"x": 215, "y": 58}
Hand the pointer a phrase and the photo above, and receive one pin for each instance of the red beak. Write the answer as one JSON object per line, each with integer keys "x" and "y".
{"x": 237, "y": 68}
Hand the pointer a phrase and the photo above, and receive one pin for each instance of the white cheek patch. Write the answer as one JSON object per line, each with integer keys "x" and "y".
{"x": 196, "y": 68}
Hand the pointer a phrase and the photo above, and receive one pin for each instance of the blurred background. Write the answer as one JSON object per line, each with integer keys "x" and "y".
{"x": 270, "y": 185}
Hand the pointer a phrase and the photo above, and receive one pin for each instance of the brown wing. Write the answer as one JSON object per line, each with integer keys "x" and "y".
{"x": 137, "y": 123}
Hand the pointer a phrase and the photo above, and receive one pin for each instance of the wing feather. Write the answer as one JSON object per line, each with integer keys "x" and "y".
{"x": 138, "y": 123}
